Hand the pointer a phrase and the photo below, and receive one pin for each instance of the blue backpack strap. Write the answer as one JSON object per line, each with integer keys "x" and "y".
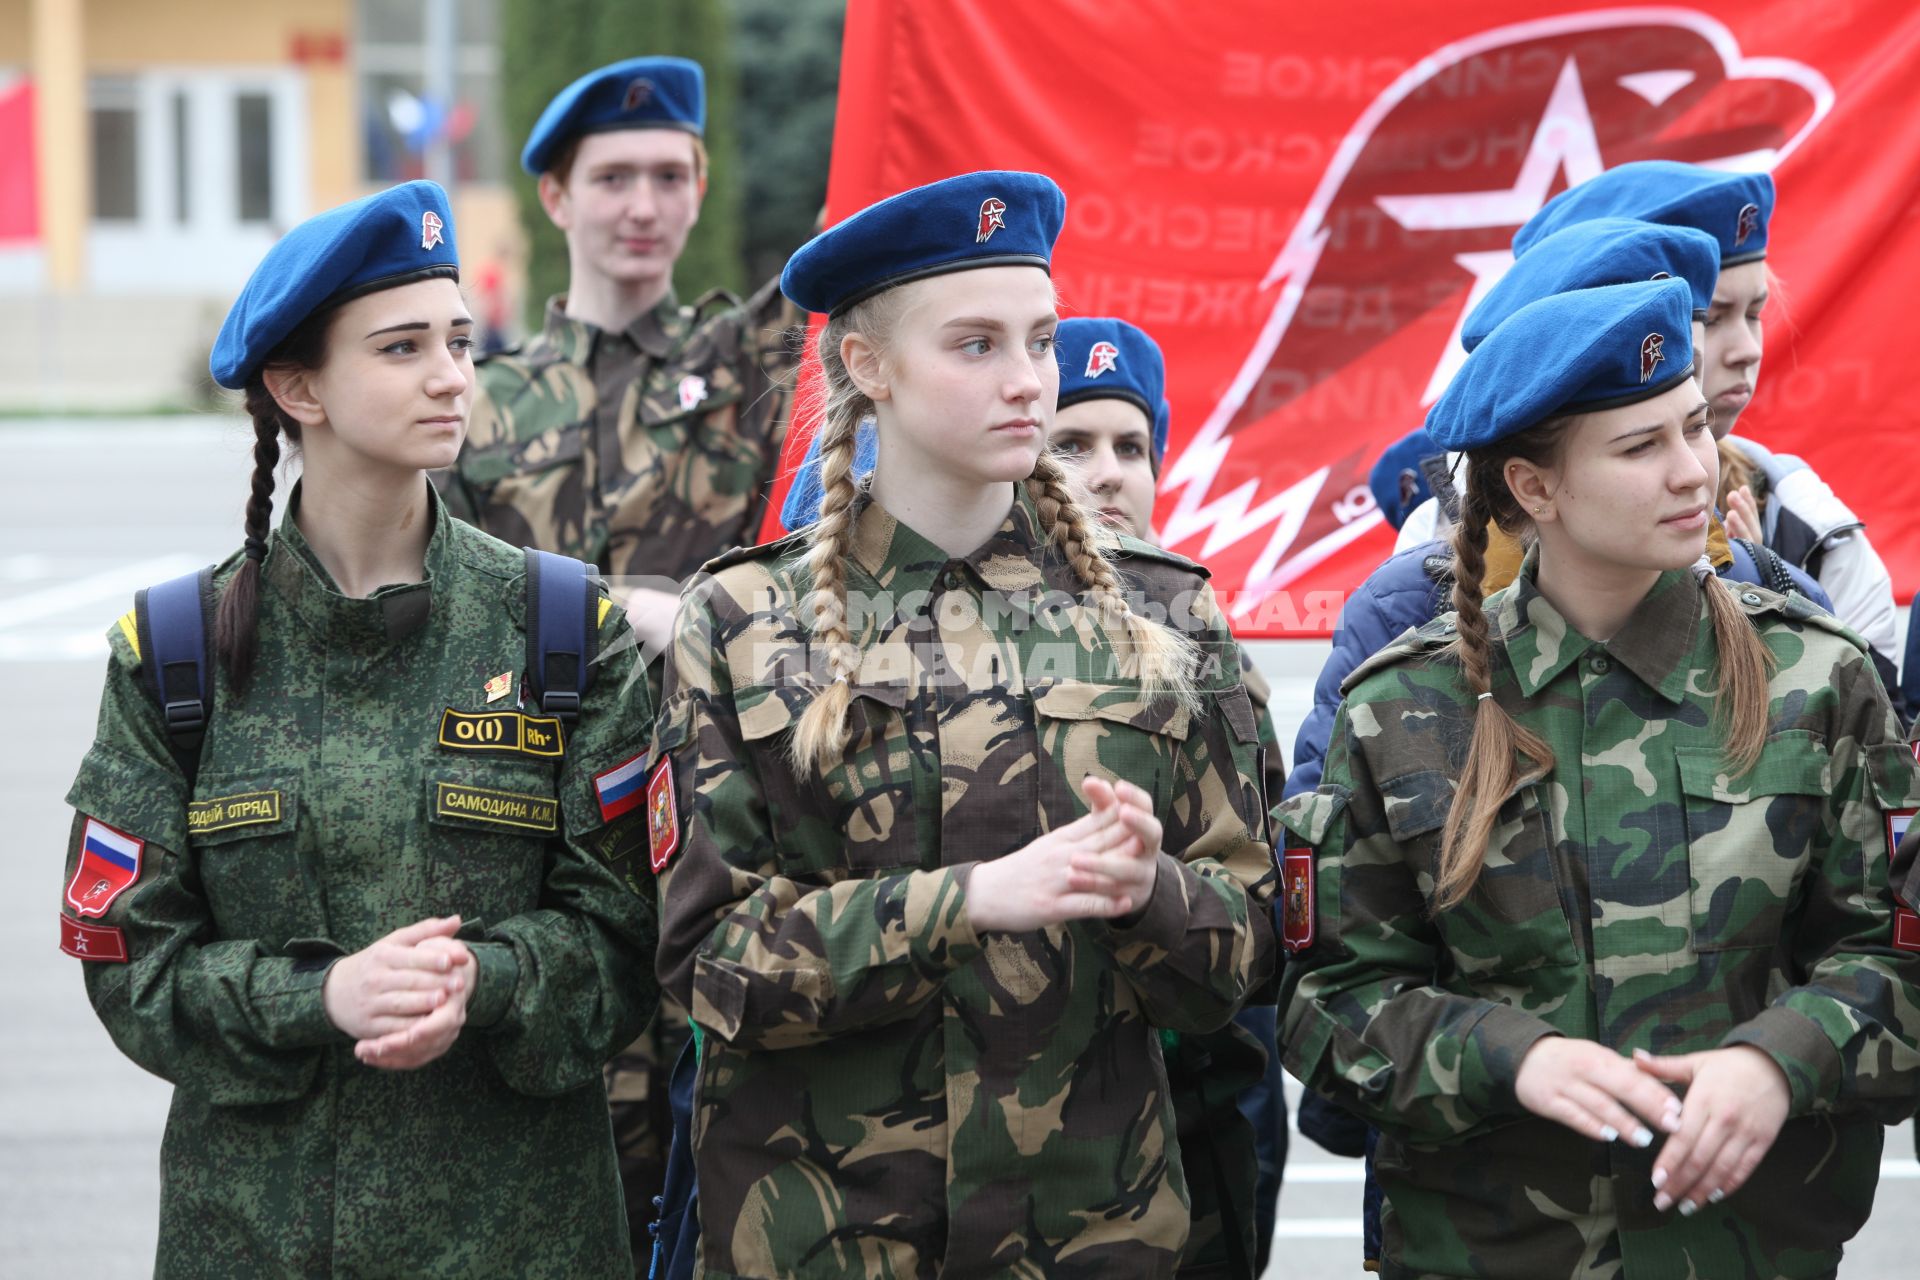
{"x": 172, "y": 623}
{"x": 561, "y": 628}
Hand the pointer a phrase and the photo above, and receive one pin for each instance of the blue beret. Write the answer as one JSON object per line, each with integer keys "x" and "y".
{"x": 1162, "y": 427}
{"x": 1101, "y": 357}
{"x": 1569, "y": 353}
{"x": 996, "y": 218}
{"x": 802, "y": 506}
{"x": 1589, "y": 254}
{"x": 390, "y": 238}
{"x": 1733, "y": 208}
{"x": 640, "y": 93}
{"x": 1404, "y": 454}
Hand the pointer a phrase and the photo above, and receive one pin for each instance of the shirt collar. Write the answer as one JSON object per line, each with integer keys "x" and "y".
{"x": 1655, "y": 643}
{"x": 657, "y": 332}
{"x": 392, "y": 613}
{"x": 899, "y": 559}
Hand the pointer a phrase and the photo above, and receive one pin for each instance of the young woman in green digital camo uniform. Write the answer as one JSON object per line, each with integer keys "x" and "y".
{"x": 950, "y": 828}
{"x": 374, "y": 931}
{"x": 1635, "y": 995}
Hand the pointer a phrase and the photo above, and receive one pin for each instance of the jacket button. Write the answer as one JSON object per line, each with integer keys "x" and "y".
{"x": 1599, "y": 665}
{"x": 1750, "y": 597}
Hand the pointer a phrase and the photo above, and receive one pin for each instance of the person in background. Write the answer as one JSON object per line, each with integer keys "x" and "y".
{"x": 1775, "y": 500}
{"x": 633, "y": 432}
{"x": 1598, "y": 1034}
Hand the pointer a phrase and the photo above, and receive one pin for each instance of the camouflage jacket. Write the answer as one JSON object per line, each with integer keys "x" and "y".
{"x": 1641, "y": 897}
{"x": 646, "y": 452}
{"x": 360, "y": 785}
{"x": 885, "y": 1090}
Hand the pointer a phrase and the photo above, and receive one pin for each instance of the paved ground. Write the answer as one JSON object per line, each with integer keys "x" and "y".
{"x": 89, "y": 512}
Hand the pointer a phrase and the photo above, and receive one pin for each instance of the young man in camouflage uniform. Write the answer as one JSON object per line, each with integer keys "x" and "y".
{"x": 632, "y": 432}
{"x": 1608, "y": 937}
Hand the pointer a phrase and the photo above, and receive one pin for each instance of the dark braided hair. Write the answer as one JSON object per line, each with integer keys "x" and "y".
{"x": 236, "y": 638}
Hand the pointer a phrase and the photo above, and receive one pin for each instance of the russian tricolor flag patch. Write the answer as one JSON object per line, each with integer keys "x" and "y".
{"x": 109, "y": 864}
{"x": 622, "y": 788}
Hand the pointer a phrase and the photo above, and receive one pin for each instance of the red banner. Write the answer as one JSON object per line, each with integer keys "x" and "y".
{"x": 19, "y": 184}
{"x": 1301, "y": 202}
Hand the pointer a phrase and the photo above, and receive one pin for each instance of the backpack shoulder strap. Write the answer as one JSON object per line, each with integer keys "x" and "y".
{"x": 560, "y": 633}
{"x": 171, "y": 619}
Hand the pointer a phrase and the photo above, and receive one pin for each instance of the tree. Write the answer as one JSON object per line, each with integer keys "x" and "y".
{"x": 789, "y": 53}
{"x": 547, "y": 44}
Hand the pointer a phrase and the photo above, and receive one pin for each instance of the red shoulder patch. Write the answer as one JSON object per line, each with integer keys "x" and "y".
{"x": 99, "y": 942}
{"x": 663, "y": 820}
{"x": 1298, "y": 916}
{"x": 1906, "y": 928}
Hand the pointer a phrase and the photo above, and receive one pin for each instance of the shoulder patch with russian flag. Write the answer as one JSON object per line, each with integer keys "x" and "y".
{"x": 1297, "y": 917}
{"x": 109, "y": 864}
{"x": 1898, "y": 820}
{"x": 621, "y": 788}
{"x": 663, "y": 821}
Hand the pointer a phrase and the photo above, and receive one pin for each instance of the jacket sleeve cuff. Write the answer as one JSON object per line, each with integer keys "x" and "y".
{"x": 942, "y": 933}
{"x": 1799, "y": 1048}
{"x": 1494, "y": 1050}
{"x": 291, "y": 994}
{"x": 497, "y": 978}
{"x": 1162, "y": 924}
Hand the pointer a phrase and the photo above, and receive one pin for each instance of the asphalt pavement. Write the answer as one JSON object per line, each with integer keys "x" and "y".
{"x": 90, "y": 511}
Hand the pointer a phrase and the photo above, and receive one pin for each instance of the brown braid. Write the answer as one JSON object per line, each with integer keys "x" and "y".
{"x": 1160, "y": 657}
{"x": 236, "y": 639}
{"x": 1488, "y": 775}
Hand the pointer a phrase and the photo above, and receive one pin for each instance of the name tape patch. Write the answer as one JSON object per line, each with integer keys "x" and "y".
{"x": 1297, "y": 917}
{"x": 99, "y": 942}
{"x": 503, "y": 733}
{"x": 109, "y": 864}
{"x": 249, "y": 808}
{"x": 502, "y": 808}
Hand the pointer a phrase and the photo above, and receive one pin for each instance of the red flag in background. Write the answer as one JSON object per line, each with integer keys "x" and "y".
{"x": 1302, "y": 206}
{"x": 19, "y": 184}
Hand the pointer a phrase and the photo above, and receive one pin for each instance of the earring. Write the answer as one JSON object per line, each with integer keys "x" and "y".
{"x": 1539, "y": 511}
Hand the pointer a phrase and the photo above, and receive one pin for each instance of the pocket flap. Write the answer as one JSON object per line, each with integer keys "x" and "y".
{"x": 1308, "y": 815}
{"x": 1121, "y": 704}
{"x": 557, "y": 447}
{"x": 241, "y": 808}
{"x": 1236, "y": 705}
{"x": 1794, "y": 762}
{"x": 1416, "y": 803}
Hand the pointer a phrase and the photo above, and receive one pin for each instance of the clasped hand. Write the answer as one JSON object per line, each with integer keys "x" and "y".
{"x": 1100, "y": 866}
{"x": 404, "y": 998}
{"x": 1735, "y": 1101}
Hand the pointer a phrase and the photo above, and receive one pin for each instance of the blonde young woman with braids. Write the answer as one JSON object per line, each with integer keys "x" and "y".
{"x": 366, "y": 924}
{"x": 956, "y": 803}
{"x": 1593, "y": 912}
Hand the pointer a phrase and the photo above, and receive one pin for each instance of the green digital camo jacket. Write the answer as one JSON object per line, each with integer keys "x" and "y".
{"x": 1642, "y": 897}
{"x": 645, "y": 452}
{"x": 379, "y": 771}
{"x": 885, "y": 1091}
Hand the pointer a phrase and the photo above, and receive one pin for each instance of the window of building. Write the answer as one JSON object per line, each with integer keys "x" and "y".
{"x": 253, "y": 119}
{"x": 400, "y": 118}
{"x": 115, "y": 122}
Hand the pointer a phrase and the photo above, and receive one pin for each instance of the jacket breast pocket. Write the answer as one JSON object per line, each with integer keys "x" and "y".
{"x": 242, "y": 829}
{"x": 1517, "y": 916}
{"x": 1112, "y": 731}
{"x": 490, "y": 822}
{"x": 860, "y": 816}
{"x": 1748, "y": 836}
{"x": 529, "y": 475}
